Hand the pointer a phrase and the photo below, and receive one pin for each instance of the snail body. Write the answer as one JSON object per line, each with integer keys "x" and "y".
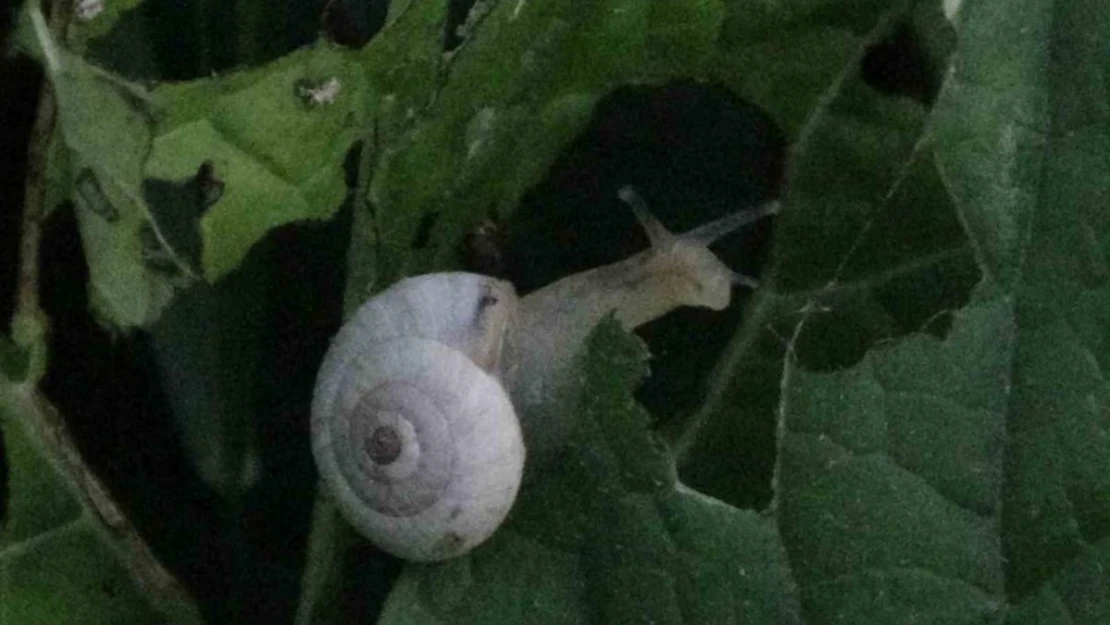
{"x": 414, "y": 433}
{"x": 554, "y": 322}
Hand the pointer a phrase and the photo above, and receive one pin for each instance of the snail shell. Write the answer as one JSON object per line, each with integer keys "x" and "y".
{"x": 412, "y": 431}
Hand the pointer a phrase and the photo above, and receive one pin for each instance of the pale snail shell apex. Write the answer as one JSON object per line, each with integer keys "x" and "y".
{"x": 417, "y": 442}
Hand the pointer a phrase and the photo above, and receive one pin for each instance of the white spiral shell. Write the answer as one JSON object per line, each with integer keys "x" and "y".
{"x": 413, "y": 435}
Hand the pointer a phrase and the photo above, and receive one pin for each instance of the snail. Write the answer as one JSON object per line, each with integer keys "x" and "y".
{"x": 415, "y": 427}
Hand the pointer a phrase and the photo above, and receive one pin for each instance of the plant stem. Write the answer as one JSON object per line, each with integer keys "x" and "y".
{"x": 37, "y": 415}
{"x": 34, "y": 209}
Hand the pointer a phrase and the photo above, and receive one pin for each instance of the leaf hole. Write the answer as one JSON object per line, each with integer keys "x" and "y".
{"x": 189, "y": 39}
{"x": 353, "y": 23}
{"x": 911, "y": 60}
{"x": 176, "y": 207}
{"x": 458, "y": 11}
{"x": 424, "y": 230}
{"x": 351, "y": 162}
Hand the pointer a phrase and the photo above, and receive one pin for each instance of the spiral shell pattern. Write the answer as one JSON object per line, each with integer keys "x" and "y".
{"x": 418, "y": 445}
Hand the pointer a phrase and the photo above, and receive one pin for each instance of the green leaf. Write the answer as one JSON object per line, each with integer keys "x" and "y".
{"x": 972, "y": 468}
{"x": 1024, "y": 153}
{"x": 864, "y": 200}
{"x": 785, "y": 57}
{"x": 975, "y": 469}
{"x": 132, "y": 272}
{"x": 889, "y": 474}
{"x": 278, "y": 152}
{"x": 607, "y": 533}
{"x": 105, "y": 119}
{"x": 107, "y": 123}
{"x": 114, "y": 39}
{"x": 868, "y": 240}
{"x": 55, "y": 564}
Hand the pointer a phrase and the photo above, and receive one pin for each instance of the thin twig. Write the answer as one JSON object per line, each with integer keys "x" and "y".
{"x": 34, "y": 207}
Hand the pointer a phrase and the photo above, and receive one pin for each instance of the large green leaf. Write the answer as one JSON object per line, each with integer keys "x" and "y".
{"x": 889, "y": 475}
{"x": 1023, "y": 140}
{"x": 607, "y": 534}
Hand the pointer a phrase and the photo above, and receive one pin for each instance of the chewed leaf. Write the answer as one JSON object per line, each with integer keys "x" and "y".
{"x": 898, "y": 461}
{"x": 608, "y": 534}
{"x": 254, "y": 200}
{"x": 107, "y": 124}
{"x": 132, "y": 273}
{"x": 276, "y": 135}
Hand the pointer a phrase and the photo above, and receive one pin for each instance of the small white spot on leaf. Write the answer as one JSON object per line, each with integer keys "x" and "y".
{"x": 322, "y": 94}
{"x": 86, "y": 10}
